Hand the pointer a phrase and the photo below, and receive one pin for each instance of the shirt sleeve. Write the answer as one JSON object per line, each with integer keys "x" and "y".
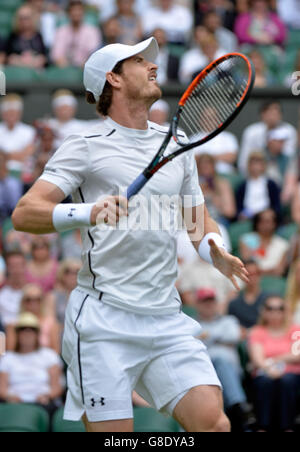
{"x": 68, "y": 167}
{"x": 191, "y": 192}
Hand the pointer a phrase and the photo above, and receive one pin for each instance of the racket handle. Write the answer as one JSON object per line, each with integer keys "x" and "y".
{"x": 136, "y": 185}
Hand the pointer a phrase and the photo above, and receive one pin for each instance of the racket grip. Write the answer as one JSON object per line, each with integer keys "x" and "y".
{"x": 136, "y": 185}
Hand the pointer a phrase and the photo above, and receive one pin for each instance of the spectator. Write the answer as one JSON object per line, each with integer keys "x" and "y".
{"x": 66, "y": 282}
{"x": 258, "y": 192}
{"x": 213, "y": 23}
{"x": 109, "y": 8}
{"x": 217, "y": 191}
{"x": 75, "y": 41}
{"x": 42, "y": 268}
{"x": 246, "y": 306}
{"x": 130, "y": 23}
{"x": 289, "y": 12}
{"x": 17, "y": 138}
{"x": 293, "y": 292}
{"x": 159, "y": 112}
{"x": 25, "y": 46}
{"x": 31, "y": 374}
{"x": 278, "y": 161}
{"x": 71, "y": 245}
{"x": 17, "y": 240}
{"x": 193, "y": 61}
{"x": 263, "y": 77}
{"x": 276, "y": 376}
{"x": 168, "y": 64}
{"x": 264, "y": 245}
{"x": 224, "y": 8}
{"x": 175, "y": 20}
{"x": 221, "y": 335}
{"x": 64, "y": 123}
{"x": 46, "y": 17}
{"x": 111, "y": 31}
{"x": 34, "y": 301}
{"x": 260, "y": 26}
{"x": 11, "y": 292}
{"x": 11, "y": 190}
{"x": 255, "y": 136}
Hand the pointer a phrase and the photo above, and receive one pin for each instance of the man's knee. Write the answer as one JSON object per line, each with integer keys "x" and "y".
{"x": 222, "y": 425}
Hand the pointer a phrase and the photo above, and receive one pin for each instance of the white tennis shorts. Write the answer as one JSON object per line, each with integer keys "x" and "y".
{"x": 110, "y": 352}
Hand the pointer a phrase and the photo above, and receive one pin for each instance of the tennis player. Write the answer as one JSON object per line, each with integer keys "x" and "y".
{"x": 124, "y": 326}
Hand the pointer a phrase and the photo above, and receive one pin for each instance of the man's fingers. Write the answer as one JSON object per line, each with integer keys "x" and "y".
{"x": 234, "y": 282}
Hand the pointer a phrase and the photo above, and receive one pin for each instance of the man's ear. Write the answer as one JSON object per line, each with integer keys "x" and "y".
{"x": 113, "y": 79}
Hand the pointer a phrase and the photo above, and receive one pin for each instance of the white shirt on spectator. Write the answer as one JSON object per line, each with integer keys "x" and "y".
{"x": 227, "y": 40}
{"x": 10, "y": 300}
{"x": 108, "y": 8}
{"x": 194, "y": 61}
{"x": 255, "y": 138}
{"x": 16, "y": 140}
{"x": 223, "y": 143}
{"x": 29, "y": 373}
{"x": 177, "y": 22}
{"x": 289, "y": 12}
{"x": 257, "y": 195}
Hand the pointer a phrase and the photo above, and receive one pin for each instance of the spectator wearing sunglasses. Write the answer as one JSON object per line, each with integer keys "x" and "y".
{"x": 276, "y": 366}
{"x": 35, "y": 302}
{"x": 30, "y": 373}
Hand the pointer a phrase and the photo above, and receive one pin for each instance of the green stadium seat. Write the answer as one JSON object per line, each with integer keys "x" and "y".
{"x": 190, "y": 311}
{"x": 149, "y": 420}
{"x": 274, "y": 285}
{"x": 23, "y": 418}
{"x": 287, "y": 231}
{"x": 63, "y": 75}
{"x": 236, "y": 230}
{"x": 59, "y": 425}
{"x": 293, "y": 40}
{"x": 6, "y": 22}
{"x": 10, "y": 5}
{"x": 20, "y": 74}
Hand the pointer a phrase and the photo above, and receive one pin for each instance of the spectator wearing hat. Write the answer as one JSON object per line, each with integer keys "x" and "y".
{"x": 258, "y": 192}
{"x": 11, "y": 190}
{"x": 255, "y": 136}
{"x": 75, "y": 41}
{"x": 17, "y": 138}
{"x": 30, "y": 373}
{"x": 159, "y": 112}
{"x": 221, "y": 335}
{"x": 246, "y": 306}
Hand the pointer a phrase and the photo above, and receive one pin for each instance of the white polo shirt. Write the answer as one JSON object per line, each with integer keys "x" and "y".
{"x": 135, "y": 269}
{"x": 16, "y": 140}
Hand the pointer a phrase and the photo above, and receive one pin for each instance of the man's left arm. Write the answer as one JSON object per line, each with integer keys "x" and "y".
{"x": 205, "y": 235}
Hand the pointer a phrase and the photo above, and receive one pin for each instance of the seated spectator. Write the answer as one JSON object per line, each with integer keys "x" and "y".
{"x": 255, "y": 136}
{"x": 289, "y": 12}
{"x": 217, "y": 191}
{"x": 35, "y": 302}
{"x": 293, "y": 292}
{"x": 278, "y": 161}
{"x": 46, "y": 17}
{"x": 11, "y": 292}
{"x": 224, "y": 8}
{"x": 260, "y": 26}
{"x": 130, "y": 23}
{"x": 111, "y": 31}
{"x": 159, "y": 112}
{"x": 258, "y": 192}
{"x": 42, "y": 268}
{"x": 221, "y": 335}
{"x": 247, "y": 305}
{"x": 17, "y": 138}
{"x": 213, "y": 23}
{"x": 18, "y": 240}
{"x": 71, "y": 245}
{"x": 11, "y": 190}
{"x": 75, "y": 41}
{"x": 30, "y": 373}
{"x": 276, "y": 375}
{"x": 109, "y": 8}
{"x": 64, "y": 123}
{"x": 263, "y": 77}
{"x": 264, "y": 245}
{"x": 168, "y": 64}
{"x": 193, "y": 61}
{"x": 25, "y": 46}
{"x": 175, "y": 20}
{"x": 66, "y": 282}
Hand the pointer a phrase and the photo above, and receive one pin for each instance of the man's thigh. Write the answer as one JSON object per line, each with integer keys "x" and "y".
{"x": 122, "y": 425}
{"x": 201, "y": 410}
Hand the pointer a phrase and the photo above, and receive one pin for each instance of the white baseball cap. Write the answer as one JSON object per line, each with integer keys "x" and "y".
{"x": 105, "y": 59}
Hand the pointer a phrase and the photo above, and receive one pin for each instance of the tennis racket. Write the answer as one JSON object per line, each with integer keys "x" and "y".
{"x": 208, "y": 106}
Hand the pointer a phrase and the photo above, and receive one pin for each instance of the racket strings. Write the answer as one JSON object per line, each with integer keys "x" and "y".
{"x": 215, "y": 98}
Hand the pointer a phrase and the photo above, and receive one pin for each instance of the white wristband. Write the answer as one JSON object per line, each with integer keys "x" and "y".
{"x": 204, "y": 247}
{"x": 71, "y": 216}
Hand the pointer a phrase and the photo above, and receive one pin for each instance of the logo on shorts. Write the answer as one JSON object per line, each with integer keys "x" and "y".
{"x": 99, "y": 402}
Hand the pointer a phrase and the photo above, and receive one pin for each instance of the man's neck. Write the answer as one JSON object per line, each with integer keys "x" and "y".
{"x": 132, "y": 116}
{"x": 251, "y": 294}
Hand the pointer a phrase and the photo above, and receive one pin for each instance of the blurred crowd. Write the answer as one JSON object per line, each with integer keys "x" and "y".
{"x": 251, "y": 187}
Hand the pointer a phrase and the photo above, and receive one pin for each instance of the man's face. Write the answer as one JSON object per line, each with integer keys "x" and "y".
{"x": 76, "y": 14}
{"x": 138, "y": 79}
{"x": 272, "y": 116}
{"x": 15, "y": 266}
